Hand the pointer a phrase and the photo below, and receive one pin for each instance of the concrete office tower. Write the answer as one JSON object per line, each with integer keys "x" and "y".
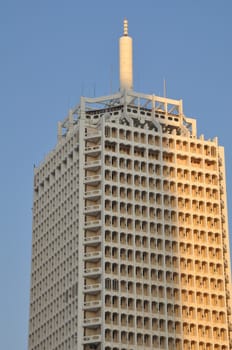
{"x": 130, "y": 233}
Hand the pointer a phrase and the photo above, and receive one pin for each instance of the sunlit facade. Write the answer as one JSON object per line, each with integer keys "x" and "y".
{"x": 130, "y": 233}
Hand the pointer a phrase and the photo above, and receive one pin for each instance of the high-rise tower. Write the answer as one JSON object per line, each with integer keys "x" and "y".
{"x": 130, "y": 233}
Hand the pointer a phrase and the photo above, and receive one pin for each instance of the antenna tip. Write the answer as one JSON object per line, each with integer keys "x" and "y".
{"x": 125, "y": 27}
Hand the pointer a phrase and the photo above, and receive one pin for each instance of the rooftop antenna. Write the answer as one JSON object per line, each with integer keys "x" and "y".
{"x": 82, "y": 88}
{"x": 125, "y": 59}
{"x": 111, "y": 79}
{"x": 165, "y": 88}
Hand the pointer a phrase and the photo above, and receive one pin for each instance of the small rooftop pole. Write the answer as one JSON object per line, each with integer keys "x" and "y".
{"x": 165, "y": 88}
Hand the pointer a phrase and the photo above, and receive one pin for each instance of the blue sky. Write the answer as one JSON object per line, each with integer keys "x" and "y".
{"x": 51, "y": 52}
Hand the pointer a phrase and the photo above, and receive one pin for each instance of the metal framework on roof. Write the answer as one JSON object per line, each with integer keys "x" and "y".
{"x": 132, "y": 108}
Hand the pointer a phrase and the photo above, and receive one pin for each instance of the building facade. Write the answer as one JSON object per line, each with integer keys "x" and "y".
{"x": 130, "y": 235}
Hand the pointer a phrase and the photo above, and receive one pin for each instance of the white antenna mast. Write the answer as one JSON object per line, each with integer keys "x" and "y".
{"x": 125, "y": 59}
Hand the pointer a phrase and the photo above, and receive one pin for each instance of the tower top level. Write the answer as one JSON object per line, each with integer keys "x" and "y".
{"x": 128, "y": 107}
{"x": 126, "y": 59}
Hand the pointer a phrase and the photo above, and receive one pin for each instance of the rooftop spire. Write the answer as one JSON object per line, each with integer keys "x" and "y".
{"x": 125, "y": 27}
{"x": 125, "y": 59}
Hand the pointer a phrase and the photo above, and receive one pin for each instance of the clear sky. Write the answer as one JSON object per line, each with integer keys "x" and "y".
{"x": 53, "y": 51}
